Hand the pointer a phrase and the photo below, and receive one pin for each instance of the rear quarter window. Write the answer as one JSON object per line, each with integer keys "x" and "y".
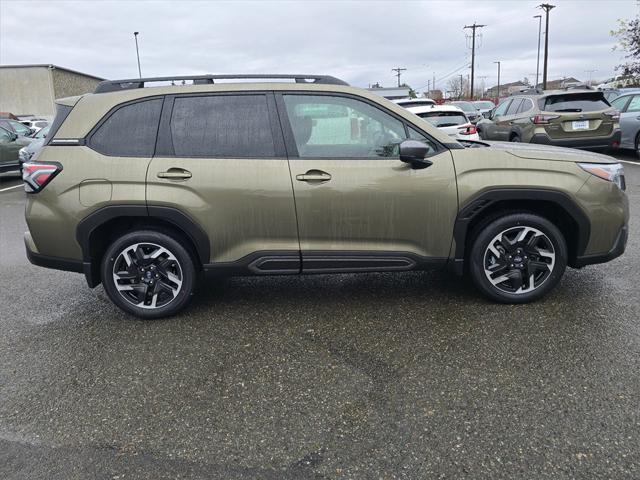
{"x": 222, "y": 126}
{"x": 576, "y": 102}
{"x": 62, "y": 112}
{"x": 129, "y": 131}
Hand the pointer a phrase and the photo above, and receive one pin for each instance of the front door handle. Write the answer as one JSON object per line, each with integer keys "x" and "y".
{"x": 314, "y": 176}
{"x": 175, "y": 174}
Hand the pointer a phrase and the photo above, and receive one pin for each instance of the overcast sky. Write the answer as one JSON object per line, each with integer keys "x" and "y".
{"x": 359, "y": 41}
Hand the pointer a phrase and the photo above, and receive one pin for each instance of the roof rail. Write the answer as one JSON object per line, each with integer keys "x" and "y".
{"x": 128, "y": 84}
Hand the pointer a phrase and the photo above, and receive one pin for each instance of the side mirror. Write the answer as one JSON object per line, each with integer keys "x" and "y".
{"x": 14, "y": 136}
{"x": 414, "y": 152}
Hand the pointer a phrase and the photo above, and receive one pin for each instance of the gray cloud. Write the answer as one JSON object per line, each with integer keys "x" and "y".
{"x": 359, "y": 41}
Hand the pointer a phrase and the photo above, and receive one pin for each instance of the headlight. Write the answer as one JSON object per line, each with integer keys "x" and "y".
{"x": 612, "y": 172}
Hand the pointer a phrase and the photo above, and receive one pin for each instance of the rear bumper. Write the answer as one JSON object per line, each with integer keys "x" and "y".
{"x": 618, "y": 249}
{"x": 612, "y": 141}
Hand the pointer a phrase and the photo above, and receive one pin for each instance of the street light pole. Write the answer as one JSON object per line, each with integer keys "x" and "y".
{"x": 547, "y": 8}
{"x": 498, "y": 80}
{"x": 135, "y": 35}
{"x": 539, "y": 17}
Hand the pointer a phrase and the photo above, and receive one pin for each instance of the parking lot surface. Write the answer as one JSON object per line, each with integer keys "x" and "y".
{"x": 409, "y": 375}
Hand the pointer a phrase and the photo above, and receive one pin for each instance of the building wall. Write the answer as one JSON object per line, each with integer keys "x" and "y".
{"x": 26, "y": 90}
{"x": 69, "y": 84}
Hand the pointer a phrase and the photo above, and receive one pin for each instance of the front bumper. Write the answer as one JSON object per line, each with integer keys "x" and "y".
{"x": 618, "y": 249}
{"x": 612, "y": 141}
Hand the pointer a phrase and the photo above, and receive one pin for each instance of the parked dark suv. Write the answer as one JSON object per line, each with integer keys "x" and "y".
{"x": 565, "y": 118}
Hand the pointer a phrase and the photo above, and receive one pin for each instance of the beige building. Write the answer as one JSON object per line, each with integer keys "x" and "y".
{"x": 32, "y": 89}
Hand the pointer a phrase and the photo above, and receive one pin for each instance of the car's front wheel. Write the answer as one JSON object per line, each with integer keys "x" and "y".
{"x": 517, "y": 258}
{"x": 149, "y": 274}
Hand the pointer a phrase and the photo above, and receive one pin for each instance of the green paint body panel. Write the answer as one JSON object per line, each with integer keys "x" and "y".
{"x": 247, "y": 205}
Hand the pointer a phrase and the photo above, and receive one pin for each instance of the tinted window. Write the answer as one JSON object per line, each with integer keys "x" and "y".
{"x": 130, "y": 131}
{"x": 577, "y": 102}
{"x": 620, "y": 102}
{"x": 513, "y": 108}
{"x": 634, "y": 104}
{"x": 465, "y": 106}
{"x": 5, "y": 136}
{"x": 500, "y": 109}
{"x": 340, "y": 127}
{"x": 222, "y": 126}
{"x": 525, "y": 106}
{"x": 19, "y": 128}
{"x": 444, "y": 119}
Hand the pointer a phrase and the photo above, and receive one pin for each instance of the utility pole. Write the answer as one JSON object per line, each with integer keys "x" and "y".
{"x": 539, "y": 17}
{"x": 547, "y": 8}
{"x": 498, "y": 80}
{"x": 461, "y": 87}
{"x": 399, "y": 72}
{"x": 135, "y": 35}
{"x": 590, "y": 72}
{"x": 428, "y": 87}
{"x": 473, "y": 51}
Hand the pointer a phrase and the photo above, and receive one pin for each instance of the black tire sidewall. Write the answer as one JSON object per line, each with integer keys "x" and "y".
{"x": 149, "y": 236}
{"x": 486, "y": 234}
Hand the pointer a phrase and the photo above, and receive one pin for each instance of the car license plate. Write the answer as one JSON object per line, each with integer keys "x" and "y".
{"x": 581, "y": 125}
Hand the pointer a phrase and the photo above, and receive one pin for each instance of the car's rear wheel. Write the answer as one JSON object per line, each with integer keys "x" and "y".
{"x": 517, "y": 258}
{"x": 515, "y": 138}
{"x": 149, "y": 274}
{"x": 638, "y": 145}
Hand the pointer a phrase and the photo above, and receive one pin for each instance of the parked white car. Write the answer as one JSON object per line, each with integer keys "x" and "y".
{"x": 451, "y": 120}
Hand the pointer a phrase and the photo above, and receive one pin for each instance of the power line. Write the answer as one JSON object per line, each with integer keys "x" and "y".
{"x": 399, "y": 70}
{"x": 473, "y": 29}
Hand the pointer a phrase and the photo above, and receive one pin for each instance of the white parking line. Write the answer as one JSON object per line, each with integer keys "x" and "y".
{"x": 11, "y": 188}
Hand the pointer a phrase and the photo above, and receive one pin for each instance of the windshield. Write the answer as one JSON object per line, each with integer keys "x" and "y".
{"x": 465, "y": 106}
{"x": 42, "y": 133}
{"x": 484, "y": 104}
{"x": 577, "y": 102}
{"x": 444, "y": 119}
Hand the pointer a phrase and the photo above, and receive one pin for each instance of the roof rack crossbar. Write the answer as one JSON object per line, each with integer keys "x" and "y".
{"x": 128, "y": 84}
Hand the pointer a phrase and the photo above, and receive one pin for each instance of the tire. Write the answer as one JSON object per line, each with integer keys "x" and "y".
{"x": 638, "y": 145}
{"x": 501, "y": 267}
{"x": 515, "y": 138}
{"x": 149, "y": 274}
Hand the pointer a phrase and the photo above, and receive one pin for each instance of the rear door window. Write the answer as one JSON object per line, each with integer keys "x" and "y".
{"x": 515, "y": 105}
{"x": 222, "y": 126}
{"x": 576, "y": 102}
{"x": 634, "y": 104}
{"x": 130, "y": 131}
{"x": 526, "y": 105}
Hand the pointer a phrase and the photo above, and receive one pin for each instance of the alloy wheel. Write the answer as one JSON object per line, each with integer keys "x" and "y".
{"x": 147, "y": 275}
{"x": 519, "y": 260}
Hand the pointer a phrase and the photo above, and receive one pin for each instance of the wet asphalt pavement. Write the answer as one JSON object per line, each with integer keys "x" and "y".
{"x": 410, "y": 375}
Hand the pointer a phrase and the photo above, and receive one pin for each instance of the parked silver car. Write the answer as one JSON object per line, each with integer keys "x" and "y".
{"x": 629, "y": 107}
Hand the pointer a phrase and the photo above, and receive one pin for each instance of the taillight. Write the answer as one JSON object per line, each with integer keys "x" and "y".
{"x": 37, "y": 175}
{"x": 543, "y": 119}
{"x": 467, "y": 130}
{"x": 614, "y": 114}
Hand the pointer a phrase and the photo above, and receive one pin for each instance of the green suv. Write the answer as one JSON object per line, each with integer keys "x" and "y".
{"x": 564, "y": 118}
{"x": 147, "y": 190}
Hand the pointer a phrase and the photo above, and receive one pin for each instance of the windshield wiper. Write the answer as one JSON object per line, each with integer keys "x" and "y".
{"x": 569, "y": 110}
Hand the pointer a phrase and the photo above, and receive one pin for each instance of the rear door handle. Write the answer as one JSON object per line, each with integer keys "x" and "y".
{"x": 175, "y": 174}
{"x": 314, "y": 176}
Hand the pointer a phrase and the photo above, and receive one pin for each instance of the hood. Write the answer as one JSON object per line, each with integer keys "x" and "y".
{"x": 546, "y": 152}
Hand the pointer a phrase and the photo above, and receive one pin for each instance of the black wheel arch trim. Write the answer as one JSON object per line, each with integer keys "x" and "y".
{"x": 171, "y": 215}
{"x": 479, "y": 203}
